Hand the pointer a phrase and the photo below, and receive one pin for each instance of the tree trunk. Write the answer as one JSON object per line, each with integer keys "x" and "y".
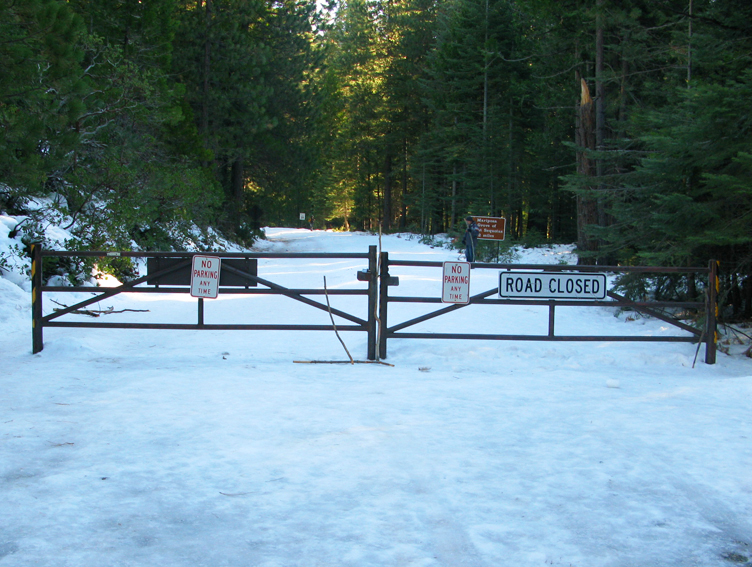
{"x": 237, "y": 181}
{"x": 453, "y": 218}
{"x": 387, "y": 214}
{"x": 689, "y": 47}
{"x": 604, "y": 219}
{"x": 207, "y": 62}
{"x": 403, "y": 193}
{"x": 587, "y": 206}
{"x": 600, "y": 109}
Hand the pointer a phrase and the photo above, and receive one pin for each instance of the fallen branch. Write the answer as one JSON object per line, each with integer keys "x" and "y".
{"x": 735, "y": 330}
{"x": 376, "y": 314}
{"x": 699, "y": 344}
{"x": 326, "y": 294}
{"x": 97, "y": 312}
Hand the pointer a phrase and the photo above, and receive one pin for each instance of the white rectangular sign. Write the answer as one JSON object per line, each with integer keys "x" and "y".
{"x": 548, "y": 285}
{"x": 455, "y": 283}
{"x": 205, "y": 272}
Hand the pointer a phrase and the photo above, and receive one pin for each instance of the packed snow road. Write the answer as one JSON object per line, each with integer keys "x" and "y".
{"x": 187, "y": 448}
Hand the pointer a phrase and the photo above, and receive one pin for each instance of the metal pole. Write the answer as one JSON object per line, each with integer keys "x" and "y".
{"x": 551, "y": 310}
{"x": 200, "y": 310}
{"x": 373, "y": 298}
{"x": 383, "y": 302}
{"x": 711, "y": 318}
{"x": 36, "y": 298}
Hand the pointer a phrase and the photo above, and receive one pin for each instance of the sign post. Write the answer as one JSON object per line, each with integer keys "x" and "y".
{"x": 455, "y": 283}
{"x": 205, "y": 272}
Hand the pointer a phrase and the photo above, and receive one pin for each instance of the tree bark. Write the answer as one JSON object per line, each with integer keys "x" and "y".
{"x": 587, "y": 206}
{"x": 238, "y": 182}
{"x": 387, "y": 214}
{"x": 207, "y": 63}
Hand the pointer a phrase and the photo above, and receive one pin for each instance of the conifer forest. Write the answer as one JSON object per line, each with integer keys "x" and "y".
{"x": 622, "y": 125}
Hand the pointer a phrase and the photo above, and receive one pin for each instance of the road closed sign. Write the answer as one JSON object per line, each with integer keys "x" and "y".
{"x": 542, "y": 285}
{"x": 455, "y": 287}
{"x": 205, "y": 272}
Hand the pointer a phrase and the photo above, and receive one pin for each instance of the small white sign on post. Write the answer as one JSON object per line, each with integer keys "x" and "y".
{"x": 455, "y": 283}
{"x": 302, "y": 216}
{"x": 205, "y": 272}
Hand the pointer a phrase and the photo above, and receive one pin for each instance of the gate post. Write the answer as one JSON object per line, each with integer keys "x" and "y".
{"x": 711, "y": 317}
{"x": 551, "y": 317}
{"x": 373, "y": 298}
{"x": 37, "y": 338}
{"x": 383, "y": 302}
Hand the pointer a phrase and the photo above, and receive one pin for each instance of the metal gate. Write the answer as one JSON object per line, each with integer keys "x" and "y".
{"x": 240, "y": 276}
{"x": 168, "y": 272}
{"x": 707, "y": 334}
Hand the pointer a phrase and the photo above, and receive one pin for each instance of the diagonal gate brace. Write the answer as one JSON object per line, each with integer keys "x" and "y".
{"x": 443, "y": 311}
{"x": 114, "y": 291}
{"x": 296, "y": 296}
{"x": 656, "y": 314}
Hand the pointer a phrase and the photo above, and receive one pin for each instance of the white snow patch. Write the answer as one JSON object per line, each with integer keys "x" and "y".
{"x": 188, "y": 448}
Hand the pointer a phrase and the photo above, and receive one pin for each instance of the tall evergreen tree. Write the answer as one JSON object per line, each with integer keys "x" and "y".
{"x": 41, "y": 92}
{"x": 476, "y": 138}
{"x": 248, "y": 70}
{"x": 127, "y": 172}
{"x": 687, "y": 198}
{"x": 358, "y": 62}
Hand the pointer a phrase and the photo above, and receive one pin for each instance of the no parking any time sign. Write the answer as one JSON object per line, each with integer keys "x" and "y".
{"x": 455, "y": 283}
{"x": 205, "y": 276}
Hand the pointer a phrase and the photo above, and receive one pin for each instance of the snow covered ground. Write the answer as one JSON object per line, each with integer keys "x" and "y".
{"x": 188, "y": 448}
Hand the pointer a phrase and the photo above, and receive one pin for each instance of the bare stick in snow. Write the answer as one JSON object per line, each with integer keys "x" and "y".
{"x": 326, "y": 294}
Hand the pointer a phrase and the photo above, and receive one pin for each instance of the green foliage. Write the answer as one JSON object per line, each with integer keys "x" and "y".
{"x": 250, "y": 76}
{"x": 91, "y": 118}
{"x": 40, "y": 89}
{"x": 139, "y": 120}
{"x": 689, "y": 198}
{"x": 664, "y": 287}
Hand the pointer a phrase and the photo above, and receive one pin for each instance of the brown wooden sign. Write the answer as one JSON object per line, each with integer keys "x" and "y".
{"x": 491, "y": 228}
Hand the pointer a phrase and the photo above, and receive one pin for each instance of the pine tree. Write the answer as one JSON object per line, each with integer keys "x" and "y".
{"x": 686, "y": 200}
{"x": 475, "y": 141}
{"x": 127, "y": 177}
{"x": 40, "y": 92}
{"x": 357, "y": 62}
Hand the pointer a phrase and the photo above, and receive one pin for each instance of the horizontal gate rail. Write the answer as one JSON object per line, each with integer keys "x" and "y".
{"x": 129, "y": 254}
{"x": 559, "y": 267}
{"x": 150, "y": 284}
{"x": 387, "y": 332}
{"x": 202, "y": 326}
{"x": 225, "y": 291}
{"x": 554, "y": 338}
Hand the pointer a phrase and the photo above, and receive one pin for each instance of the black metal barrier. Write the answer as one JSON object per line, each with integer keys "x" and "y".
{"x": 169, "y": 272}
{"x": 695, "y": 335}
